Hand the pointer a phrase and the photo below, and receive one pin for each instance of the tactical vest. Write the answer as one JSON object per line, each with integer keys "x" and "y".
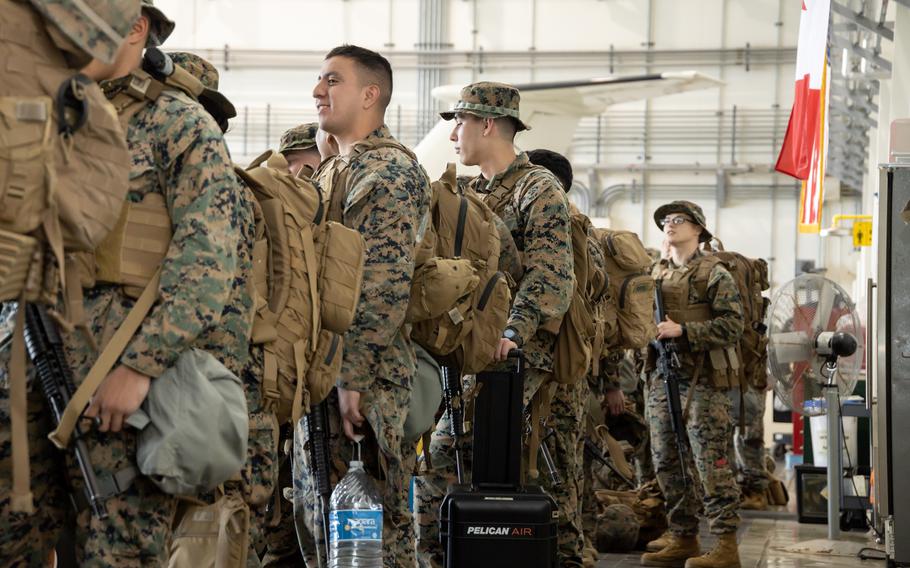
{"x": 721, "y": 365}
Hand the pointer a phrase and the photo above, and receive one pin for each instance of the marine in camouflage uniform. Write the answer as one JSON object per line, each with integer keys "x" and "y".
{"x": 533, "y": 206}
{"x": 59, "y": 35}
{"x": 259, "y": 477}
{"x": 701, "y": 295}
{"x": 298, "y": 145}
{"x": 378, "y": 188}
{"x": 178, "y": 152}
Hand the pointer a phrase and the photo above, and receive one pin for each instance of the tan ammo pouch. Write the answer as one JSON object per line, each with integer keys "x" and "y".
{"x": 340, "y": 252}
{"x": 137, "y": 245}
{"x": 216, "y": 535}
{"x": 26, "y": 162}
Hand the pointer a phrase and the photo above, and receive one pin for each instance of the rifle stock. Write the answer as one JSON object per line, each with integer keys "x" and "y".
{"x": 668, "y": 366}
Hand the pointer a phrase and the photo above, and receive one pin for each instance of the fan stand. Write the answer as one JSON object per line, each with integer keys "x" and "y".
{"x": 835, "y": 466}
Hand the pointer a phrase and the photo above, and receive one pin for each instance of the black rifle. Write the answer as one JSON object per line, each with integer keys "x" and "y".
{"x": 45, "y": 349}
{"x": 594, "y": 451}
{"x": 317, "y": 426}
{"x": 452, "y": 398}
{"x": 668, "y": 366}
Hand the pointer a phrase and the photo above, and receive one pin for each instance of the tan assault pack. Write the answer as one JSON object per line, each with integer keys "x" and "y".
{"x": 581, "y": 334}
{"x": 307, "y": 275}
{"x": 751, "y": 277}
{"x": 459, "y": 299}
{"x": 628, "y": 311}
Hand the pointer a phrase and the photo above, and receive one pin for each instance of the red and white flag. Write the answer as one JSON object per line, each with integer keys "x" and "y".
{"x": 804, "y": 149}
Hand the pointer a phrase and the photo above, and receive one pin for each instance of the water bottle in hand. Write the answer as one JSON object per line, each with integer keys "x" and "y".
{"x": 355, "y": 520}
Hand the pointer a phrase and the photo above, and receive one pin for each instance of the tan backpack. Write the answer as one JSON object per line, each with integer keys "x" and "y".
{"x": 307, "y": 275}
{"x": 581, "y": 335}
{"x": 459, "y": 299}
{"x": 751, "y": 277}
{"x": 628, "y": 310}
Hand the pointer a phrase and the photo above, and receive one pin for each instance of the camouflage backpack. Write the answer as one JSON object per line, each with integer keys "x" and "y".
{"x": 628, "y": 311}
{"x": 751, "y": 277}
{"x": 307, "y": 275}
{"x": 459, "y": 298}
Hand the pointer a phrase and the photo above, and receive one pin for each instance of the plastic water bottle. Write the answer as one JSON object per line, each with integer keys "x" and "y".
{"x": 355, "y": 520}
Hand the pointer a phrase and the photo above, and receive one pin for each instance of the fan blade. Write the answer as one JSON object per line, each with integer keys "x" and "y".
{"x": 822, "y": 317}
{"x": 791, "y": 347}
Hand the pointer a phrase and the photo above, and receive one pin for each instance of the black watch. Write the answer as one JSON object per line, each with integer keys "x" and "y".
{"x": 512, "y": 335}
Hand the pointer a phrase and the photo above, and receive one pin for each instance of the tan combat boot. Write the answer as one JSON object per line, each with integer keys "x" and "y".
{"x": 754, "y": 502}
{"x": 674, "y": 555}
{"x": 659, "y": 543}
{"x": 725, "y": 554}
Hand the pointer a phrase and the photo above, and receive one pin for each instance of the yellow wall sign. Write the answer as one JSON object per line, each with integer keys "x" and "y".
{"x": 862, "y": 234}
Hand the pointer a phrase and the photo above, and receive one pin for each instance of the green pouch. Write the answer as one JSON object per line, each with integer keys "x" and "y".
{"x": 426, "y": 396}
{"x": 193, "y": 426}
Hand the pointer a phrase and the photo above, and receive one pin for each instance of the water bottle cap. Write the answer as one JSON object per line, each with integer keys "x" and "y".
{"x": 355, "y": 464}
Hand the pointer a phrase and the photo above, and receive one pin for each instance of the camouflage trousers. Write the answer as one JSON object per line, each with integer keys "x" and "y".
{"x": 566, "y": 445}
{"x": 749, "y": 442}
{"x": 387, "y": 458}
{"x": 280, "y": 537}
{"x": 708, "y": 429}
{"x": 26, "y": 540}
{"x": 430, "y": 487}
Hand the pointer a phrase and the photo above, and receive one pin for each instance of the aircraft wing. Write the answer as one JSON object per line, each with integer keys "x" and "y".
{"x": 554, "y": 109}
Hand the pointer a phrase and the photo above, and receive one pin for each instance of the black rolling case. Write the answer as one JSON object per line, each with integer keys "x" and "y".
{"x": 496, "y": 520}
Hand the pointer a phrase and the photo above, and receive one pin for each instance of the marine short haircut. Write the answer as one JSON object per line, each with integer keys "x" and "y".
{"x": 377, "y": 68}
{"x": 556, "y": 163}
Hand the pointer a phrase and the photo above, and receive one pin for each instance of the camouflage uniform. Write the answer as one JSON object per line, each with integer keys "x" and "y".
{"x": 532, "y": 204}
{"x": 204, "y": 302}
{"x": 708, "y": 423}
{"x": 26, "y": 539}
{"x": 386, "y": 198}
{"x": 259, "y": 477}
{"x": 749, "y": 442}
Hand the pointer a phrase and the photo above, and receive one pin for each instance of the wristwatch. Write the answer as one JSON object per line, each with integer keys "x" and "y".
{"x": 512, "y": 335}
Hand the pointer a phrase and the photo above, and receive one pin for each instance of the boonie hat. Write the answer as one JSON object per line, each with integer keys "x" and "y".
{"x": 487, "y": 99}
{"x": 688, "y": 208}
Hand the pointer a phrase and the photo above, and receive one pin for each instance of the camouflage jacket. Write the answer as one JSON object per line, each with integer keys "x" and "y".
{"x": 387, "y": 199}
{"x": 726, "y": 325}
{"x": 204, "y": 301}
{"x": 536, "y": 212}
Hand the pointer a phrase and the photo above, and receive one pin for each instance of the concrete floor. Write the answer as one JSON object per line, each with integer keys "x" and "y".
{"x": 777, "y": 540}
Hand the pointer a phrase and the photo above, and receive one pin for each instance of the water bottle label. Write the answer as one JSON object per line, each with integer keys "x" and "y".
{"x": 355, "y": 524}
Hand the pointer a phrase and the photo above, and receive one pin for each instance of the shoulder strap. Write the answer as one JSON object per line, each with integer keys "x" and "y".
{"x": 109, "y": 356}
{"x": 506, "y": 187}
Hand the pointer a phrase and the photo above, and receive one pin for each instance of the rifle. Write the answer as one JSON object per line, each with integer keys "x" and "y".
{"x": 597, "y": 454}
{"x": 316, "y": 422}
{"x": 668, "y": 366}
{"x": 552, "y": 471}
{"x": 452, "y": 398}
{"x": 45, "y": 349}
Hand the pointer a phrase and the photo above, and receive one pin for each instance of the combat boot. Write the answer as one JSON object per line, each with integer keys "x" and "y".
{"x": 659, "y": 543}
{"x": 725, "y": 554}
{"x": 754, "y": 501}
{"x": 674, "y": 555}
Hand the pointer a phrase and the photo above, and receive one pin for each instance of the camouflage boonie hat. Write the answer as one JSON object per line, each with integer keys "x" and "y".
{"x": 302, "y": 137}
{"x": 218, "y": 105}
{"x": 197, "y": 67}
{"x": 688, "y": 208}
{"x": 162, "y": 26}
{"x": 489, "y": 100}
{"x": 96, "y": 26}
